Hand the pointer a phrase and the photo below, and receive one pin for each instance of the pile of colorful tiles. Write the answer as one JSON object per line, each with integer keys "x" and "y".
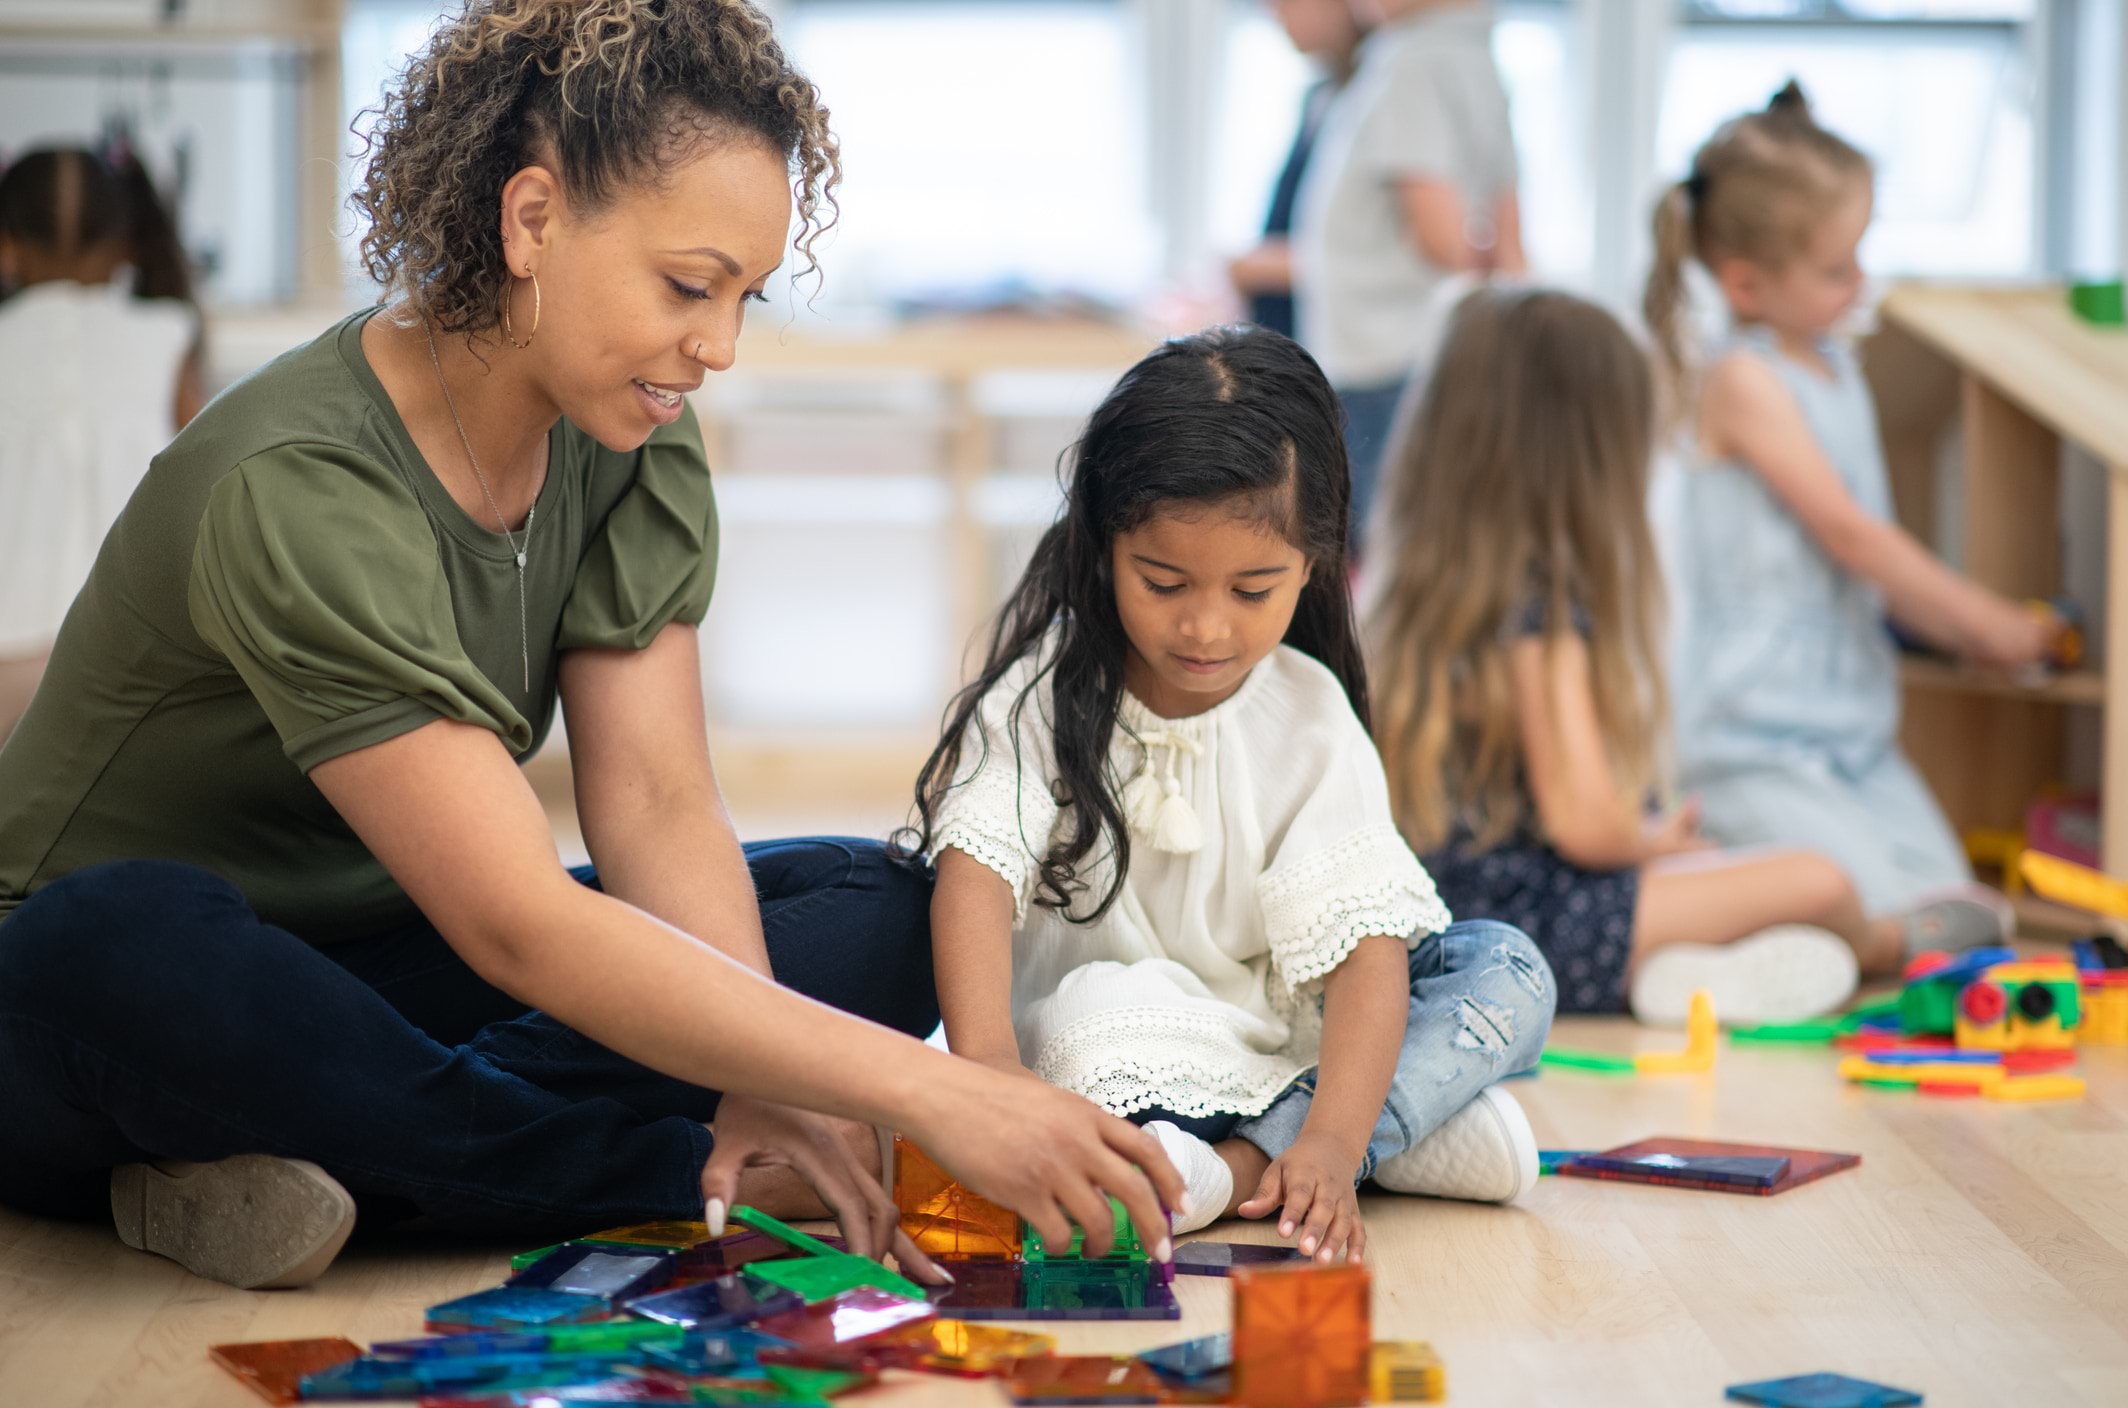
{"x": 666, "y": 1313}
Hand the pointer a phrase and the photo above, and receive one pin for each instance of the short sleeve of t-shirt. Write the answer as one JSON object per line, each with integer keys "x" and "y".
{"x": 346, "y": 639}
{"x": 1440, "y": 114}
{"x": 653, "y": 560}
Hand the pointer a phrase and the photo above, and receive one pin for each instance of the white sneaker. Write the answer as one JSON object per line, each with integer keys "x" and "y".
{"x": 252, "y": 1221}
{"x": 1207, "y": 1182}
{"x": 1782, "y": 974}
{"x": 1484, "y": 1153}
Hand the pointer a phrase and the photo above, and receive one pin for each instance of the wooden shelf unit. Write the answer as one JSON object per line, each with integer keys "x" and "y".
{"x": 2022, "y": 375}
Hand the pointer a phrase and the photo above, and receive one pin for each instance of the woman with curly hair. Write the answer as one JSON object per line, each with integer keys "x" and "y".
{"x": 282, "y": 928}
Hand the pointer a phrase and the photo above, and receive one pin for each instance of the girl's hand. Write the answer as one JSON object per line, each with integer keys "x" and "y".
{"x": 1312, "y": 1181}
{"x": 1675, "y": 833}
{"x": 2016, "y": 637}
{"x": 1053, "y": 1157}
{"x": 758, "y": 1134}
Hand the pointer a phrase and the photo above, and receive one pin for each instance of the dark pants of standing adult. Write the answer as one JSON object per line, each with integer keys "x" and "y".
{"x": 147, "y": 1013}
{"x": 1370, "y": 421}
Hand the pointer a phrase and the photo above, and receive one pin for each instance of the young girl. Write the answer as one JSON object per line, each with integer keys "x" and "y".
{"x": 94, "y": 379}
{"x": 1789, "y": 702}
{"x": 1167, "y": 873}
{"x": 1514, "y": 634}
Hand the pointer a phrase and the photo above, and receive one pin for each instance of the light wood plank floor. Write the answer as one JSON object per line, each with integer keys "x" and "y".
{"x": 1980, "y": 1254}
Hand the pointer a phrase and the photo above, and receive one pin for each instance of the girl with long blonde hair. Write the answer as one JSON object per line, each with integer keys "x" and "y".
{"x": 1514, "y": 640}
{"x": 1789, "y": 690}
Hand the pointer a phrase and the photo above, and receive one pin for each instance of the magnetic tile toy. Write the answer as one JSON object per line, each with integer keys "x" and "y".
{"x": 1303, "y": 1338}
{"x": 1406, "y": 1371}
{"x": 853, "y": 1315}
{"x": 275, "y": 1369}
{"x": 1193, "y": 1359}
{"x": 1220, "y": 1258}
{"x": 1070, "y": 1378}
{"x": 943, "y": 1218}
{"x": 728, "y": 1301}
{"x": 1823, "y": 1391}
{"x": 577, "y": 1269}
{"x": 513, "y": 1308}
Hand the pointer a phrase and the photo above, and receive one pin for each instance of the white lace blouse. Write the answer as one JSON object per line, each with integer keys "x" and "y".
{"x": 1262, "y": 852}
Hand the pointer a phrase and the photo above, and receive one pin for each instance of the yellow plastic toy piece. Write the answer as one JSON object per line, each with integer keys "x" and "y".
{"x": 2013, "y": 1030}
{"x": 1405, "y": 1371}
{"x": 2021, "y": 1088}
{"x": 2105, "y": 1021}
{"x": 2066, "y": 882}
{"x": 2001, "y": 850}
{"x": 1701, "y": 1032}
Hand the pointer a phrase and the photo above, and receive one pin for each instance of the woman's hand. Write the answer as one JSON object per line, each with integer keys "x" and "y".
{"x": 1313, "y": 1183}
{"x": 757, "y": 1134}
{"x": 1053, "y": 1157}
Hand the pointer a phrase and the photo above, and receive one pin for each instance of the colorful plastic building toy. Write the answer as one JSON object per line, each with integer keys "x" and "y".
{"x": 1303, "y": 1338}
{"x": 2025, "y": 1088}
{"x": 1406, "y": 1371}
{"x": 2019, "y": 1006}
{"x": 1010, "y": 1290}
{"x": 2102, "y": 968}
{"x": 851, "y": 1316}
{"x": 1823, "y": 1391}
{"x": 1638, "y": 1163}
{"x": 832, "y": 1272}
{"x": 275, "y": 1369}
{"x": 1126, "y": 1247}
{"x": 943, "y": 1218}
{"x": 514, "y": 1308}
{"x": 1701, "y": 1041}
{"x": 581, "y": 1269}
{"x": 2102, "y": 302}
{"x": 1193, "y": 1359}
{"x": 725, "y": 1303}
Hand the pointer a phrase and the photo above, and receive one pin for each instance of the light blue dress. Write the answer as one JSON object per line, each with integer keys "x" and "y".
{"x": 1786, "y": 678}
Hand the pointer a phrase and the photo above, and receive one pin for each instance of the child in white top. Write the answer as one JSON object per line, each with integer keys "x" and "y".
{"x": 95, "y": 379}
{"x": 1168, "y": 878}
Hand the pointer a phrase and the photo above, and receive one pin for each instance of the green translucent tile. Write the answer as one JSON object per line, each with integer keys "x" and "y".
{"x": 823, "y": 1271}
{"x": 1127, "y": 1246}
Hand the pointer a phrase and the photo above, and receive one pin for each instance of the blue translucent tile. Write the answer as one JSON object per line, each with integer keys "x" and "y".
{"x": 514, "y": 1307}
{"x": 605, "y": 1273}
{"x": 1193, "y": 1359}
{"x": 724, "y": 1303}
{"x": 1823, "y": 1391}
{"x": 372, "y": 1378}
{"x": 730, "y": 1353}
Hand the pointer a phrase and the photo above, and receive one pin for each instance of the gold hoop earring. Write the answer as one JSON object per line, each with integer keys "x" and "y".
{"x": 509, "y": 332}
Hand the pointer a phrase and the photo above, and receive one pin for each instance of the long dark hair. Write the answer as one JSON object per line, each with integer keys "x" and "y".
{"x": 1239, "y": 415}
{"x": 70, "y": 199}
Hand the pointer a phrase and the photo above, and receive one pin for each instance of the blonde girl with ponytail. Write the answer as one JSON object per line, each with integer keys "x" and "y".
{"x": 1787, "y": 689}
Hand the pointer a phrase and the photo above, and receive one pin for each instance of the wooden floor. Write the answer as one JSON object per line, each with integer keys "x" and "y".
{"x": 1980, "y": 1255}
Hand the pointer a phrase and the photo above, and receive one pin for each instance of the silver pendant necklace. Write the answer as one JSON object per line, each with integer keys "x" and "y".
{"x": 518, "y": 548}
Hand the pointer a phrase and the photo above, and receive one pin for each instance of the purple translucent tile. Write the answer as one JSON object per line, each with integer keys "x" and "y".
{"x": 1220, "y": 1258}
{"x": 1003, "y": 1290}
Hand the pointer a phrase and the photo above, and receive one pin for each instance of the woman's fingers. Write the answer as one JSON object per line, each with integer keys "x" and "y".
{"x": 1124, "y": 1182}
{"x": 1049, "y": 1222}
{"x": 1089, "y": 1208}
{"x": 915, "y": 1263}
{"x": 1143, "y": 1150}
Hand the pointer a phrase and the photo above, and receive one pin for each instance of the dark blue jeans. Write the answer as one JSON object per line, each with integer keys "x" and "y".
{"x": 1370, "y": 422}
{"x": 147, "y": 1013}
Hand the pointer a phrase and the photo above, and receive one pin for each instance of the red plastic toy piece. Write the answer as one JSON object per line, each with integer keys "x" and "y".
{"x": 1983, "y": 1003}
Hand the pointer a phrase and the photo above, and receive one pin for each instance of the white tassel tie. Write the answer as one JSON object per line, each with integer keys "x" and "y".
{"x": 1153, "y": 803}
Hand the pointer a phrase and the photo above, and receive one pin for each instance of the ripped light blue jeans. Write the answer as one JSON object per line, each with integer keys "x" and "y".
{"x": 1481, "y": 1005}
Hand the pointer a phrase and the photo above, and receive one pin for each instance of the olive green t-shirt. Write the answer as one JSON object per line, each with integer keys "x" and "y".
{"x": 291, "y": 582}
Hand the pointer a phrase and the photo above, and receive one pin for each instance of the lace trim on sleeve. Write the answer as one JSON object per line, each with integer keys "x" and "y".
{"x": 995, "y": 818}
{"x": 1318, "y": 908}
{"x": 1128, "y": 1059}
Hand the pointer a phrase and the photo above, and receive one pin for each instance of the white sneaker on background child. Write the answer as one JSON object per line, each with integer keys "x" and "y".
{"x": 1784, "y": 974}
{"x": 1483, "y": 1153}
{"x": 1957, "y": 918}
{"x": 1207, "y": 1182}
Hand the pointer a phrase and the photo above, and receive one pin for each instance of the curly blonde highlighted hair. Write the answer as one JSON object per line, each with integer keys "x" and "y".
{"x": 608, "y": 92}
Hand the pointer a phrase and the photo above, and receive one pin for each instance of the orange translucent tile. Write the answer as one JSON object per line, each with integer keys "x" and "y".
{"x": 958, "y": 1346}
{"x": 945, "y": 1219}
{"x": 1084, "y": 1378}
{"x": 275, "y": 1369}
{"x": 1303, "y": 1338}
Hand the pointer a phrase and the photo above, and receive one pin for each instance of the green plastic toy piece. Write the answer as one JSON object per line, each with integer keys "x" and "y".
{"x": 1868, "y": 1012}
{"x": 611, "y": 1336}
{"x": 813, "y": 1385}
{"x": 1930, "y": 1008}
{"x": 1587, "y": 1061}
{"x": 1818, "y": 1033}
{"x": 2099, "y": 302}
{"x": 821, "y": 1266}
{"x": 1127, "y": 1246}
